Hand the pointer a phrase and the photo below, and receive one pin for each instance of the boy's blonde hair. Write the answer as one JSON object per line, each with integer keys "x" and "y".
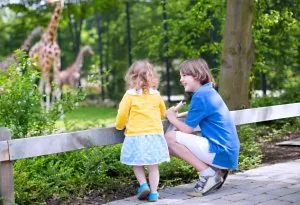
{"x": 198, "y": 68}
{"x": 142, "y": 75}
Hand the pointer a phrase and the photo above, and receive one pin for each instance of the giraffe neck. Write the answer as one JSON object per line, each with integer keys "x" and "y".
{"x": 50, "y": 34}
{"x": 24, "y": 47}
{"x": 79, "y": 61}
{"x": 26, "y": 44}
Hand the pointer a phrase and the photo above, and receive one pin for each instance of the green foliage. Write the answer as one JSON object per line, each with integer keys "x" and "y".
{"x": 76, "y": 173}
{"x": 275, "y": 34}
{"x": 290, "y": 94}
{"x": 193, "y": 30}
{"x": 264, "y": 101}
{"x": 20, "y": 100}
{"x": 253, "y": 136}
{"x": 176, "y": 172}
{"x": 186, "y": 38}
{"x": 66, "y": 174}
{"x": 250, "y": 152}
{"x": 278, "y": 129}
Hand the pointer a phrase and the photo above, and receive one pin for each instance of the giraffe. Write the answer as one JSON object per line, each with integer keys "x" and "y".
{"x": 24, "y": 47}
{"x": 48, "y": 54}
{"x": 71, "y": 75}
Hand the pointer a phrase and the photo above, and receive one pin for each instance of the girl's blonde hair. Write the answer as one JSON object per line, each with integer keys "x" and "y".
{"x": 142, "y": 75}
{"x": 198, "y": 68}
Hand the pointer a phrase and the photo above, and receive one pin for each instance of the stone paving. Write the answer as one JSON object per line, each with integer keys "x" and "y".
{"x": 277, "y": 184}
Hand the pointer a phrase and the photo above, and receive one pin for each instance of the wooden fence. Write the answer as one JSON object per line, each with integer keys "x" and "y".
{"x": 13, "y": 149}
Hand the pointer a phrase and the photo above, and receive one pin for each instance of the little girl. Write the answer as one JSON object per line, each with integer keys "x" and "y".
{"x": 141, "y": 111}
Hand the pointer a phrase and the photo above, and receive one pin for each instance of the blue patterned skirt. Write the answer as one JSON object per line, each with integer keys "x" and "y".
{"x": 144, "y": 150}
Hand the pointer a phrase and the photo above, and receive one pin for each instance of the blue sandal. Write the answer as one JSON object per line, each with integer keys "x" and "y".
{"x": 143, "y": 191}
{"x": 153, "y": 196}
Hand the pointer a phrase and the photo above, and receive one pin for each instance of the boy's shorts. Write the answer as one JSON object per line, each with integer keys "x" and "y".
{"x": 198, "y": 145}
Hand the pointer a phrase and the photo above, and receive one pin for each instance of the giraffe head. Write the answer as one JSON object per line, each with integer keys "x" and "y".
{"x": 87, "y": 49}
{"x": 53, "y": 1}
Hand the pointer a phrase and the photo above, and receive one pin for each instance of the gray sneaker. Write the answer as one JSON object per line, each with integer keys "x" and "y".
{"x": 205, "y": 184}
{"x": 224, "y": 174}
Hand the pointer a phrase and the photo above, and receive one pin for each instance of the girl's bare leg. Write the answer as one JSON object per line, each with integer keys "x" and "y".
{"x": 153, "y": 177}
{"x": 139, "y": 172}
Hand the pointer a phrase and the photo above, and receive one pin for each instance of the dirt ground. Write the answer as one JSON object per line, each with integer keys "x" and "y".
{"x": 275, "y": 154}
{"x": 272, "y": 154}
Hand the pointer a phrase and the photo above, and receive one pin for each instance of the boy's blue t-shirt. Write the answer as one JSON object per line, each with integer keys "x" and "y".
{"x": 208, "y": 110}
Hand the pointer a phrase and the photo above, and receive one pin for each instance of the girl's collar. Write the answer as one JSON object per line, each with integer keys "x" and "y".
{"x": 133, "y": 91}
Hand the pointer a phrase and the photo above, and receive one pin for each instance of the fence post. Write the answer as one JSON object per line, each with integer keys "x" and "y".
{"x": 6, "y": 174}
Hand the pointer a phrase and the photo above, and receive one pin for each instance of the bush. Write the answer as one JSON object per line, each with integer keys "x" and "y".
{"x": 250, "y": 152}
{"x": 176, "y": 172}
{"x": 253, "y": 137}
{"x": 20, "y": 100}
{"x": 290, "y": 94}
{"x": 74, "y": 173}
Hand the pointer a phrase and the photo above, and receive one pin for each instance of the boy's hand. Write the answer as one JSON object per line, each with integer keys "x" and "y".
{"x": 171, "y": 113}
{"x": 182, "y": 114}
{"x": 179, "y": 106}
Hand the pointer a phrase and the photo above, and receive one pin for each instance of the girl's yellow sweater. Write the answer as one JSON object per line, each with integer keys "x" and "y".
{"x": 141, "y": 112}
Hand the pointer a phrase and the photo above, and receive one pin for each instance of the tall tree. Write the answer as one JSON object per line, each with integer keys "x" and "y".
{"x": 238, "y": 54}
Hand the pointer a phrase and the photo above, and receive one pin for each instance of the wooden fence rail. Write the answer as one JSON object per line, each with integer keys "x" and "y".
{"x": 13, "y": 149}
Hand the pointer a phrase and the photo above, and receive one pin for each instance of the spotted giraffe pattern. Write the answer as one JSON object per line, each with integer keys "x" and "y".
{"x": 48, "y": 53}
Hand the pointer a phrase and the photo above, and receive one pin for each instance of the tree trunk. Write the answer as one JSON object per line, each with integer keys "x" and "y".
{"x": 237, "y": 54}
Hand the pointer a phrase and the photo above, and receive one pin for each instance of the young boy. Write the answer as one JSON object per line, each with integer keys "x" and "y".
{"x": 217, "y": 150}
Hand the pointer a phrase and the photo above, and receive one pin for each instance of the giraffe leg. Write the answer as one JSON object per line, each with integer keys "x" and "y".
{"x": 48, "y": 92}
{"x": 56, "y": 70}
{"x": 41, "y": 89}
{"x": 47, "y": 89}
{"x": 57, "y": 92}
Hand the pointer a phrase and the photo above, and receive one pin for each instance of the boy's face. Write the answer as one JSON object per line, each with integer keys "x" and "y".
{"x": 189, "y": 83}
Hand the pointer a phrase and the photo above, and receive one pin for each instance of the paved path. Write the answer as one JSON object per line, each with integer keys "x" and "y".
{"x": 277, "y": 184}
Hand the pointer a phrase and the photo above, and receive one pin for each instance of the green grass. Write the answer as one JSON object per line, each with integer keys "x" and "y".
{"x": 88, "y": 117}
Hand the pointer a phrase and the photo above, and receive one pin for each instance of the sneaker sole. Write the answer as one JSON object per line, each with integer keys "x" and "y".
{"x": 195, "y": 194}
{"x": 153, "y": 199}
{"x": 144, "y": 194}
{"x": 211, "y": 189}
{"x": 224, "y": 179}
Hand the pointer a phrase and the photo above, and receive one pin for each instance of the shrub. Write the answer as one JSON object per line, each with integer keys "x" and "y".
{"x": 73, "y": 173}
{"x": 290, "y": 94}
{"x": 176, "y": 172}
{"x": 20, "y": 100}
{"x": 250, "y": 152}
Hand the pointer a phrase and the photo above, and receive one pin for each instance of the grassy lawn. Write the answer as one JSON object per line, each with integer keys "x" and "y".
{"x": 87, "y": 117}
{"x": 90, "y": 117}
